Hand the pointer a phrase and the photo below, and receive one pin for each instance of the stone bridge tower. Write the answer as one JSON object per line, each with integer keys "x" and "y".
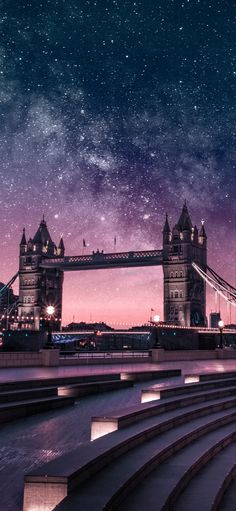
{"x": 39, "y": 287}
{"x": 184, "y": 290}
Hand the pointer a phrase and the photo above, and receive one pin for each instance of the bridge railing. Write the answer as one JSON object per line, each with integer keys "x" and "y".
{"x": 99, "y": 355}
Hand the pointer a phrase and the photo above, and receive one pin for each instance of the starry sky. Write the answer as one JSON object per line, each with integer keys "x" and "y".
{"x": 112, "y": 113}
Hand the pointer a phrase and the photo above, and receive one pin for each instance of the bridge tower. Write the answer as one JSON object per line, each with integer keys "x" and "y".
{"x": 184, "y": 290}
{"x": 39, "y": 287}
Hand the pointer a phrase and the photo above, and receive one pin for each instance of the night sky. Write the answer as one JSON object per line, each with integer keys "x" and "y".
{"x": 112, "y": 113}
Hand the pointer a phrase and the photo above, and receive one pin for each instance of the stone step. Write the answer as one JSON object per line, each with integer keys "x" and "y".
{"x": 124, "y": 477}
{"x": 105, "y": 424}
{"x": 27, "y": 394}
{"x": 217, "y": 376}
{"x": 55, "y": 479}
{"x": 155, "y": 392}
{"x": 161, "y": 489}
{"x": 70, "y": 380}
{"x": 138, "y": 376}
{"x": 13, "y": 411}
{"x": 227, "y": 500}
{"x": 85, "y": 389}
{"x": 205, "y": 490}
{"x": 55, "y": 382}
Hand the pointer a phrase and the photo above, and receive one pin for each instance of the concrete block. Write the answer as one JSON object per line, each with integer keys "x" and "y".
{"x": 101, "y": 427}
{"x": 43, "y": 496}
{"x": 50, "y": 357}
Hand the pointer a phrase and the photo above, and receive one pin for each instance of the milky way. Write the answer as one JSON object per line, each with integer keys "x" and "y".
{"x": 113, "y": 112}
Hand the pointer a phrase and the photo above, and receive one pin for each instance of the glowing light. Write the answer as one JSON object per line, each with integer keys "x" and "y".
{"x": 50, "y": 310}
{"x": 150, "y": 395}
{"x": 101, "y": 427}
{"x": 194, "y": 378}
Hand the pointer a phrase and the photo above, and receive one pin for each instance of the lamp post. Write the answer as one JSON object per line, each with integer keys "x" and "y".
{"x": 50, "y": 311}
{"x": 155, "y": 322}
{"x": 221, "y": 326}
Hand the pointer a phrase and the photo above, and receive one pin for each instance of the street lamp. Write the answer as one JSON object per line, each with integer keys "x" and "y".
{"x": 155, "y": 322}
{"x": 221, "y": 326}
{"x": 50, "y": 311}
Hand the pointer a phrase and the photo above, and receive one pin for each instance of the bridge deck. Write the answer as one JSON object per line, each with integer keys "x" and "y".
{"x": 99, "y": 260}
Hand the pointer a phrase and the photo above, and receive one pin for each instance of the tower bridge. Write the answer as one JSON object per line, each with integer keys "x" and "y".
{"x": 43, "y": 263}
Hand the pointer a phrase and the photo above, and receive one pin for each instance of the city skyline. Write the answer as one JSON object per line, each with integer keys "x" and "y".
{"x": 113, "y": 114}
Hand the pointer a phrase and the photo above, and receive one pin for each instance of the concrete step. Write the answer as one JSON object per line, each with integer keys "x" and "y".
{"x": 13, "y": 411}
{"x": 121, "y": 418}
{"x": 27, "y": 394}
{"x": 70, "y": 380}
{"x": 110, "y": 487}
{"x": 161, "y": 489}
{"x": 217, "y": 376}
{"x": 149, "y": 375}
{"x": 155, "y": 392}
{"x": 205, "y": 490}
{"x": 228, "y": 499}
{"x": 55, "y": 382}
{"x": 56, "y": 478}
{"x": 85, "y": 389}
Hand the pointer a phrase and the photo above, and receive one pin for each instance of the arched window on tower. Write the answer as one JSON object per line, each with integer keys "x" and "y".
{"x": 176, "y": 294}
{"x": 171, "y": 274}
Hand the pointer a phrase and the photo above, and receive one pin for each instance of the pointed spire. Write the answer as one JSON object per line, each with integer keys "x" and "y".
{"x": 23, "y": 239}
{"x": 166, "y": 227}
{"x": 61, "y": 244}
{"x": 202, "y": 230}
{"x": 42, "y": 235}
{"x": 184, "y": 222}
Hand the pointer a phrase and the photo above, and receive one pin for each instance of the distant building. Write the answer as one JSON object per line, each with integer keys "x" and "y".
{"x": 73, "y": 327}
{"x": 214, "y": 319}
{"x": 8, "y": 311}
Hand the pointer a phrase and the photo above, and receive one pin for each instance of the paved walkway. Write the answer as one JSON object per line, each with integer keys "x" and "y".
{"x": 30, "y": 442}
{"x": 188, "y": 367}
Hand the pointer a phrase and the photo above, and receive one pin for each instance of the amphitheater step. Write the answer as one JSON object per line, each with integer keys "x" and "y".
{"x": 156, "y": 392}
{"x": 12, "y": 411}
{"x": 229, "y": 498}
{"x": 115, "y": 420}
{"x": 54, "y": 382}
{"x": 111, "y": 486}
{"x": 85, "y": 389}
{"x": 27, "y": 394}
{"x": 176, "y": 427}
{"x": 207, "y": 482}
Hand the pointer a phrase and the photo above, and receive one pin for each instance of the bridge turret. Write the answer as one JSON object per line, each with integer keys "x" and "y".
{"x": 39, "y": 287}
{"x": 184, "y": 291}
